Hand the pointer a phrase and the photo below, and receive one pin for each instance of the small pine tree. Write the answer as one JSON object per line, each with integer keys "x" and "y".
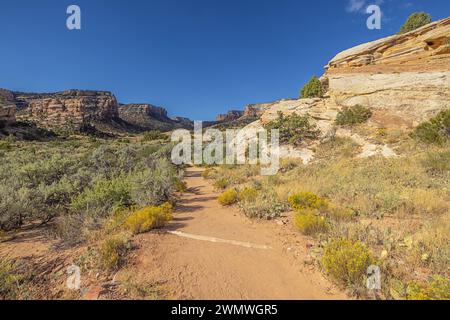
{"x": 415, "y": 21}
{"x": 313, "y": 89}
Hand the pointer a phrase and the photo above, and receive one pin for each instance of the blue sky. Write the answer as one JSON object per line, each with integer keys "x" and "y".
{"x": 197, "y": 58}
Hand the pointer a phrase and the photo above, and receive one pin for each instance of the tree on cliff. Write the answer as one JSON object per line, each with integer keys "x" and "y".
{"x": 415, "y": 21}
{"x": 313, "y": 89}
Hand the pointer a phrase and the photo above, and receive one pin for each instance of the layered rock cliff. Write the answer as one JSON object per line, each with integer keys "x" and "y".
{"x": 404, "y": 79}
{"x": 71, "y": 109}
{"x": 80, "y": 110}
{"x": 150, "y": 117}
{"x": 7, "y": 107}
{"x": 229, "y": 116}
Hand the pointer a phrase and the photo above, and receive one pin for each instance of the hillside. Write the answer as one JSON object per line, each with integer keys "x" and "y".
{"x": 84, "y": 111}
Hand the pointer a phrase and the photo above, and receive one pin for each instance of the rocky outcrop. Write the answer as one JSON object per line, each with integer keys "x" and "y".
{"x": 7, "y": 107}
{"x": 229, "y": 116}
{"x": 183, "y": 122}
{"x": 255, "y": 110}
{"x": 134, "y": 111}
{"x": 150, "y": 117}
{"x": 81, "y": 110}
{"x": 71, "y": 109}
{"x": 404, "y": 79}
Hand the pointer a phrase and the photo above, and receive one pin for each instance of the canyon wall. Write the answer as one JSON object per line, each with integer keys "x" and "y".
{"x": 71, "y": 109}
{"x": 404, "y": 79}
{"x": 7, "y": 107}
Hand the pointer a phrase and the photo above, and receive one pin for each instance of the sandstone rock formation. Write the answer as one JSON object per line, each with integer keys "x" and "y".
{"x": 71, "y": 109}
{"x": 150, "y": 117}
{"x": 79, "y": 110}
{"x": 7, "y": 107}
{"x": 229, "y": 116}
{"x": 404, "y": 79}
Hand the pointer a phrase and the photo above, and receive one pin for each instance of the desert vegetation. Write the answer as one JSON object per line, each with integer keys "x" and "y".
{"x": 415, "y": 21}
{"x": 313, "y": 89}
{"x": 353, "y": 116}
{"x": 391, "y": 212}
{"x": 85, "y": 192}
{"x": 294, "y": 129}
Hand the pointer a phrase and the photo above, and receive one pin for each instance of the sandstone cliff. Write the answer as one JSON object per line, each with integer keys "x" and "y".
{"x": 150, "y": 117}
{"x": 7, "y": 107}
{"x": 81, "y": 110}
{"x": 404, "y": 79}
{"x": 229, "y": 116}
{"x": 71, "y": 109}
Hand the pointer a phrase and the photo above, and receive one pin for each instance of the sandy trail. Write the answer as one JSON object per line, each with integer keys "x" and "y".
{"x": 213, "y": 252}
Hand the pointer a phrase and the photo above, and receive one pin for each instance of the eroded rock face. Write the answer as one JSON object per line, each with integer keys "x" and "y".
{"x": 7, "y": 107}
{"x": 150, "y": 117}
{"x": 229, "y": 116}
{"x": 404, "y": 79}
{"x": 71, "y": 109}
{"x": 133, "y": 110}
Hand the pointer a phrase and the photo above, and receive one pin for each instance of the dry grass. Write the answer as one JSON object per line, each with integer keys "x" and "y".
{"x": 398, "y": 209}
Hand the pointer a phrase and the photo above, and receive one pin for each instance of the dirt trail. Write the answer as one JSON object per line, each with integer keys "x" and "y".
{"x": 213, "y": 252}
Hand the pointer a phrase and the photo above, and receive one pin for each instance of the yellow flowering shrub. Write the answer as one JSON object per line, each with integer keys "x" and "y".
{"x": 309, "y": 222}
{"x": 347, "y": 261}
{"x": 229, "y": 197}
{"x": 307, "y": 200}
{"x": 149, "y": 218}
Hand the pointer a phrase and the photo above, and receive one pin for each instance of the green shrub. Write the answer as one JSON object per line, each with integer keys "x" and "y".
{"x": 265, "y": 206}
{"x": 313, "y": 89}
{"x": 347, "y": 261}
{"x": 149, "y": 218}
{"x": 228, "y": 198}
{"x": 155, "y": 185}
{"x": 5, "y": 146}
{"x": 436, "y": 130}
{"x": 221, "y": 183}
{"x": 415, "y": 21}
{"x": 154, "y": 135}
{"x": 437, "y": 161}
{"x": 248, "y": 194}
{"x": 309, "y": 222}
{"x": 83, "y": 180}
{"x": 338, "y": 213}
{"x": 353, "y": 115}
{"x": 112, "y": 252}
{"x": 306, "y": 200}
{"x": 294, "y": 129}
{"x": 180, "y": 185}
{"x": 438, "y": 288}
{"x": 105, "y": 195}
{"x": 13, "y": 280}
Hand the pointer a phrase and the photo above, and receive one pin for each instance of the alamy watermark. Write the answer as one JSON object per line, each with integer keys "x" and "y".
{"x": 73, "y": 22}
{"x": 374, "y": 20}
{"x": 214, "y": 147}
{"x": 73, "y": 277}
{"x": 373, "y": 278}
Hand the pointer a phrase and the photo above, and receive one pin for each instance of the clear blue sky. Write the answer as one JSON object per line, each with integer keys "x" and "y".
{"x": 195, "y": 57}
